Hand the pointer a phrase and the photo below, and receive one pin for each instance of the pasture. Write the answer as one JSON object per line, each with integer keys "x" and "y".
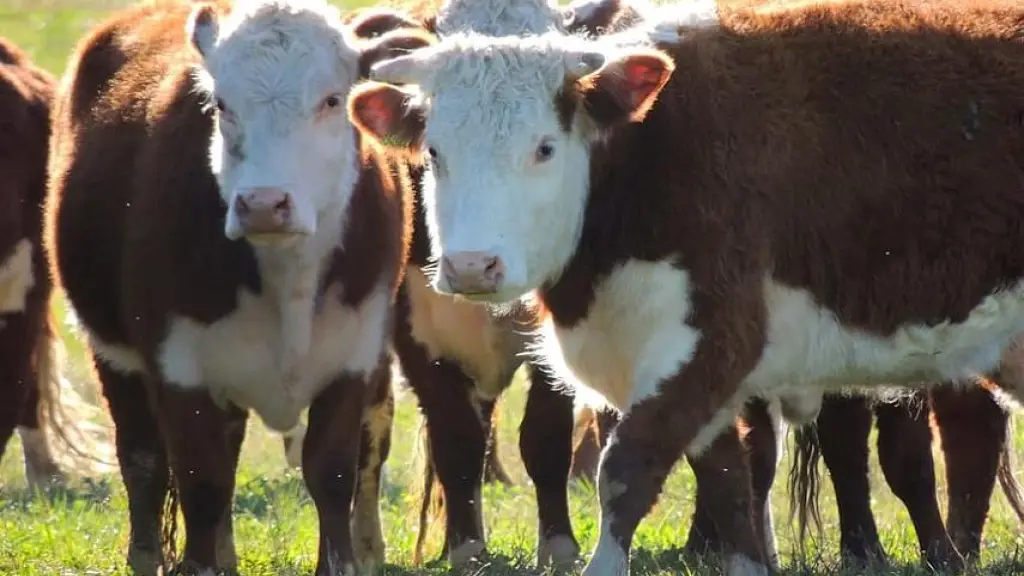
{"x": 84, "y": 530}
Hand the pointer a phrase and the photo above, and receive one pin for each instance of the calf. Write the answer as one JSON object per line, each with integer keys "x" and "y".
{"x": 973, "y": 430}
{"x": 720, "y": 206}
{"x": 228, "y": 245}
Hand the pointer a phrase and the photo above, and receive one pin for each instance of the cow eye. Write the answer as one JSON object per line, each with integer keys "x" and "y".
{"x": 332, "y": 102}
{"x": 545, "y": 150}
{"x": 433, "y": 154}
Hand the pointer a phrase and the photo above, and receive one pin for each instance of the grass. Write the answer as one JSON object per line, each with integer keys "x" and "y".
{"x": 84, "y": 530}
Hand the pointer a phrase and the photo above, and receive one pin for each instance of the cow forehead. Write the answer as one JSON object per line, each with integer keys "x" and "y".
{"x": 503, "y": 87}
{"x": 278, "y": 52}
{"x": 498, "y": 17}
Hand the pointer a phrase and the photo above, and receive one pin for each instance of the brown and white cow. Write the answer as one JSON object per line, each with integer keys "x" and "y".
{"x": 228, "y": 245}
{"x": 37, "y": 401}
{"x": 725, "y": 206}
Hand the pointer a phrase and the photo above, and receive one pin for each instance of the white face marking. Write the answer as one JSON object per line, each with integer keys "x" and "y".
{"x": 505, "y": 178}
{"x": 281, "y": 71}
{"x": 237, "y": 355}
{"x": 454, "y": 328}
{"x": 16, "y": 277}
{"x": 634, "y": 337}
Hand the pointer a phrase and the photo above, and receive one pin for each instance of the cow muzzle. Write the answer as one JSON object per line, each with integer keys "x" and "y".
{"x": 471, "y": 273}
{"x": 264, "y": 212}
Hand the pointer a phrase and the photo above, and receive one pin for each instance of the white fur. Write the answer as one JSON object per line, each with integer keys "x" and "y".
{"x": 121, "y": 358}
{"x": 634, "y": 337}
{"x": 608, "y": 559}
{"x": 16, "y": 277}
{"x": 741, "y": 565}
{"x": 456, "y": 328}
{"x": 235, "y": 357}
{"x": 779, "y": 430}
{"x": 273, "y": 63}
{"x": 499, "y": 17}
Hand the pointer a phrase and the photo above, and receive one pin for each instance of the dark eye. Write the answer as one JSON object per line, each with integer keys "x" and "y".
{"x": 544, "y": 151}
{"x": 220, "y": 105}
{"x": 332, "y": 101}
{"x": 433, "y": 154}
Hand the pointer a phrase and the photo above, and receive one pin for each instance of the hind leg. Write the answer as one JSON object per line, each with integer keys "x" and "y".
{"x": 494, "y": 470}
{"x": 904, "y": 452}
{"x": 143, "y": 464}
{"x": 545, "y": 442}
{"x": 972, "y": 429}
{"x": 15, "y": 372}
{"x": 843, "y": 426}
{"x": 374, "y": 447}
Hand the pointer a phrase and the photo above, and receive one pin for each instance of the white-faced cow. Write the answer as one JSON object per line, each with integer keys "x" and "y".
{"x": 771, "y": 204}
{"x": 229, "y": 245}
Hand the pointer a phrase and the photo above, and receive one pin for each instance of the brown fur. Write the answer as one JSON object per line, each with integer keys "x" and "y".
{"x": 132, "y": 204}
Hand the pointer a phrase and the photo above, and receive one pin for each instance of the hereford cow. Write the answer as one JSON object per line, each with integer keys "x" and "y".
{"x": 445, "y": 359}
{"x": 728, "y": 205}
{"x": 35, "y": 397}
{"x": 228, "y": 245}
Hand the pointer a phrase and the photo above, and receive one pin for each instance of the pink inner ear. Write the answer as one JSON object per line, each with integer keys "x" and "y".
{"x": 642, "y": 76}
{"x": 376, "y": 110}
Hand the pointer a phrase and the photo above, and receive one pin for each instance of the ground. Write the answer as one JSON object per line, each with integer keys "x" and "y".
{"x": 85, "y": 530}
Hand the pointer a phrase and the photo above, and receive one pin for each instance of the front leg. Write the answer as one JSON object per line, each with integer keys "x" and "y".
{"x": 330, "y": 454}
{"x": 374, "y": 448}
{"x": 201, "y": 444}
{"x": 684, "y": 404}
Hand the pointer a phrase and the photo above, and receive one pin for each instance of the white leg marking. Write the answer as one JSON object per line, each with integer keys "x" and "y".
{"x": 559, "y": 551}
{"x": 16, "y": 277}
{"x": 367, "y": 534}
{"x": 609, "y": 559}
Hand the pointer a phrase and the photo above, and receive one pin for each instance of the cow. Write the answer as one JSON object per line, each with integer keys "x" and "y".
{"x": 972, "y": 425}
{"x": 726, "y": 204}
{"x": 228, "y": 244}
{"x": 38, "y": 402}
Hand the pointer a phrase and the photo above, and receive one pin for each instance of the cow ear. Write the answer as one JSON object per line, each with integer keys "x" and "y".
{"x": 625, "y": 88}
{"x": 387, "y": 115}
{"x": 373, "y": 22}
{"x": 391, "y": 45}
{"x": 202, "y": 29}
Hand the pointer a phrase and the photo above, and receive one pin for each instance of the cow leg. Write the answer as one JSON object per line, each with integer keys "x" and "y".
{"x": 227, "y": 557}
{"x": 15, "y": 370}
{"x": 330, "y": 463}
{"x": 545, "y": 442}
{"x": 374, "y": 448}
{"x": 641, "y": 452}
{"x": 494, "y": 469}
{"x": 199, "y": 440}
{"x": 763, "y": 457}
{"x": 844, "y": 425}
{"x": 972, "y": 429}
{"x": 904, "y": 452}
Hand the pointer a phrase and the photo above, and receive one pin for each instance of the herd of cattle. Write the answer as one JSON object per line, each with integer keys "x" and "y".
{"x": 695, "y": 225}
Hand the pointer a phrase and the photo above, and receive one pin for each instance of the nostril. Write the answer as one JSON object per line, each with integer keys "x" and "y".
{"x": 241, "y": 206}
{"x": 283, "y": 207}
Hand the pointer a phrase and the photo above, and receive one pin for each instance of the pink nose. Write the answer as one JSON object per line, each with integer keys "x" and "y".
{"x": 473, "y": 272}
{"x": 263, "y": 210}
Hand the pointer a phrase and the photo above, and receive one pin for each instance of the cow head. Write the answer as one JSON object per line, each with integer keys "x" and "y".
{"x": 279, "y": 72}
{"x": 506, "y": 125}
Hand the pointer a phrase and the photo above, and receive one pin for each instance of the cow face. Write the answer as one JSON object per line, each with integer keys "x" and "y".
{"x": 284, "y": 152}
{"x": 506, "y": 125}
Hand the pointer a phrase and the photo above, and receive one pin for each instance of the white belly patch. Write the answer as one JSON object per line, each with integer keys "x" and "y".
{"x": 237, "y": 357}
{"x": 809, "y": 349}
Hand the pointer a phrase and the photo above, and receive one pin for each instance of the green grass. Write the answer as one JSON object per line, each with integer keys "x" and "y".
{"x": 84, "y": 531}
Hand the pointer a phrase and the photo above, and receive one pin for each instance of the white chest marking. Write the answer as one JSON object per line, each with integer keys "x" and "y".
{"x": 809, "y": 351}
{"x": 634, "y": 336}
{"x": 465, "y": 332}
{"x": 238, "y": 357}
